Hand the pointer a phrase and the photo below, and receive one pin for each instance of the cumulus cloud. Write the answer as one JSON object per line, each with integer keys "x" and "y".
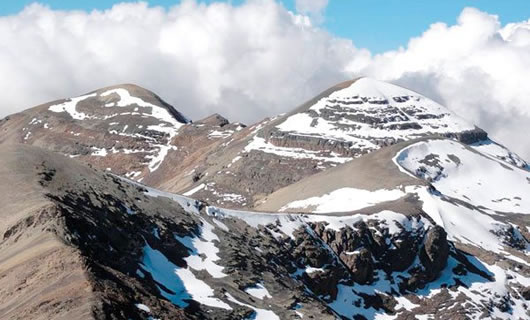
{"x": 259, "y": 59}
{"x": 477, "y": 68}
{"x": 245, "y": 61}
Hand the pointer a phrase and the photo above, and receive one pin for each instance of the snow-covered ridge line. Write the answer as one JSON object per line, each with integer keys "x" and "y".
{"x": 287, "y": 223}
{"x": 168, "y": 125}
{"x": 125, "y": 99}
{"x": 457, "y": 173}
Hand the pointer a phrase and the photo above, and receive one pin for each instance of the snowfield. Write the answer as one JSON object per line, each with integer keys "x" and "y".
{"x": 344, "y": 200}
{"x": 458, "y": 171}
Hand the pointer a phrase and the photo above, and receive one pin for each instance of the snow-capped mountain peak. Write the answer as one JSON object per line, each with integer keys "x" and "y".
{"x": 369, "y": 113}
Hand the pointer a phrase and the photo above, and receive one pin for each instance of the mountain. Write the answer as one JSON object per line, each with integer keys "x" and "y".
{"x": 342, "y": 123}
{"x": 132, "y": 132}
{"x": 125, "y": 129}
{"x": 369, "y": 201}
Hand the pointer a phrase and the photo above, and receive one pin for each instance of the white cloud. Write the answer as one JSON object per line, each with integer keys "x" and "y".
{"x": 477, "y": 68}
{"x": 244, "y": 62}
{"x": 314, "y": 8}
{"x": 258, "y": 59}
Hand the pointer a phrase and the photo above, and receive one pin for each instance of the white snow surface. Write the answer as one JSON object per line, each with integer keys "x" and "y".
{"x": 192, "y": 191}
{"x": 203, "y": 246}
{"x": 287, "y": 223}
{"x": 260, "y": 314}
{"x": 126, "y": 100}
{"x": 462, "y": 175}
{"x": 344, "y": 200}
{"x": 259, "y": 144}
{"x": 479, "y": 291}
{"x": 495, "y": 150}
{"x": 70, "y": 107}
{"x": 181, "y": 281}
{"x": 143, "y": 307}
{"x": 369, "y": 97}
{"x": 258, "y": 291}
{"x": 463, "y": 224}
{"x": 468, "y": 175}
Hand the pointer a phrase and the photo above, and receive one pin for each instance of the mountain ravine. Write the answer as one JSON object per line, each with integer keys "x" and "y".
{"x": 369, "y": 201}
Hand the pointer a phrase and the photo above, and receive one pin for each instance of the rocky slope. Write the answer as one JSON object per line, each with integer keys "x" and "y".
{"x": 373, "y": 202}
{"x": 124, "y": 129}
{"x": 116, "y": 249}
{"x": 133, "y": 133}
{"x": 343, "y": 123}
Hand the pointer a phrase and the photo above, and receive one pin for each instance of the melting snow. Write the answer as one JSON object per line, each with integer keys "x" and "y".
{"x": 197, "y": 188}
{"x": 99, "y": 152}
{"x": 258, "y": 291}
{"x": 260, "y": 314}
{"x": 70, "y": 107}
{"x": 203, "y": 246}
{"x": 220, "y": 134}
{"x": 474, "y": 228}
{"x": 458, "y": 172}
{"x": 182, "y": 282}
{"x": 143, "y": 307}
{"x": 345, "y": 199}
{"x": 127, "y": 100}
{"x": 260, "y": 144}
{"x": 458, "y": 175}
{"x": 371, "y": 98}
{"x": 288, "y": 223}
{"x": 169, "y": 125}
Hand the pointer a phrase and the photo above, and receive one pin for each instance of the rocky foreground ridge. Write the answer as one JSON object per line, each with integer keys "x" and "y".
{"x": 369, "y": 201}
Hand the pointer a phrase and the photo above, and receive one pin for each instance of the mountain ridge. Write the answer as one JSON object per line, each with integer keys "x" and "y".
{"x": 372, "y": 202}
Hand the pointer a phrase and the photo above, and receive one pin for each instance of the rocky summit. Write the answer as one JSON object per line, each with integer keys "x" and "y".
{"x": 369, "y": 201}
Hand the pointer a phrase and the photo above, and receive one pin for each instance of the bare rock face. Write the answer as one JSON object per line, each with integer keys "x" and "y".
{"x": 435, "y": 251}
{"x": 360, "y": 265}
{"x": 214, "y": 120}
{"x": 323, "y": 283}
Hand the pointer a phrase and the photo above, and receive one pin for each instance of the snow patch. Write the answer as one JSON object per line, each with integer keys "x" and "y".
{"x": 258, "y": 291}
{"x": 182, "y": 282}
{"x": 203, "y": 246}
{"x": 259, "y": 144}
{"x": 344, "y": 199}
{"x": 143, "y": 307}
{"x": 70, "y": 107}
{"x": 260, "y": 314}
{"x": 194, "y": 190}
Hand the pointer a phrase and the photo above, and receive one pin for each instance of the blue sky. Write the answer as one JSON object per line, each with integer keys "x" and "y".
{"x": 378, "y": 25}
